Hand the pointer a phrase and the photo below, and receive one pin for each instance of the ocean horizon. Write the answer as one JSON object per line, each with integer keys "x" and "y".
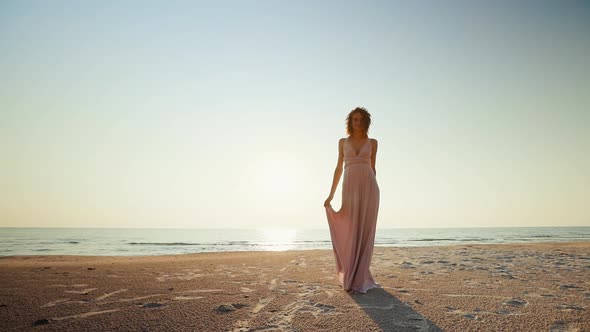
{"x": 16, "y": 241}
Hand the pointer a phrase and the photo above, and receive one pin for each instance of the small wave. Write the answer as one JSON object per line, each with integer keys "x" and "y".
{"x": 311, "y": 241}
{"x": 477, "y": 239}
{"x": 166, "y": 243}
{"x": 230, "y": 243}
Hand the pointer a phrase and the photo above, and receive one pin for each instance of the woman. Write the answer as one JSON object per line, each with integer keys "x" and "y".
{"x": 352, "y": 228}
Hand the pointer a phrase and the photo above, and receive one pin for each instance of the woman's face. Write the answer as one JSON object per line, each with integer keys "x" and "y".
{"x": 357, "y": 124}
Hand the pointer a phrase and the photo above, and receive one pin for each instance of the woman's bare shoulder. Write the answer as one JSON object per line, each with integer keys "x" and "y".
{"x": 374, "y": 144}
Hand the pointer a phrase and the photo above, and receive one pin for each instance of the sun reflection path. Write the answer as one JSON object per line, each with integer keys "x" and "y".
{"x": 278, "y": 239}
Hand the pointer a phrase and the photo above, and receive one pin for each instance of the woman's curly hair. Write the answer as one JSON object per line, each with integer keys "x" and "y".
{"x": 365, "y": 120}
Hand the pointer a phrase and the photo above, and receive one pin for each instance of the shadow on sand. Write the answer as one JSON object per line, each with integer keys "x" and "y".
{"x": 390, "y": 313}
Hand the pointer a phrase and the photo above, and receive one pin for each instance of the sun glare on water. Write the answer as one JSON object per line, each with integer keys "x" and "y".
{"x": 277, "y": 239}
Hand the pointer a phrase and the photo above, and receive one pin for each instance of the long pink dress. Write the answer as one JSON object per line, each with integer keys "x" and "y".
{"x": 352, "y": 228}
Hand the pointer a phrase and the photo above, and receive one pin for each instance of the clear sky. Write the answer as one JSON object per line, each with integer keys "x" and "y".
{"x": 227, "y": 114}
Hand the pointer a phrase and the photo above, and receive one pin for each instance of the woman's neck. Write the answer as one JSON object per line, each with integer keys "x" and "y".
{"x": 358, "y": 135}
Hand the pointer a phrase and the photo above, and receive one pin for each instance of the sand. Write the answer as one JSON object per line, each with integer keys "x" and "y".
{"x": 491, "y": 287}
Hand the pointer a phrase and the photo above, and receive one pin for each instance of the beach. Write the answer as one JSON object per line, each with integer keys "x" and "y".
{"x": 479, "y": 287}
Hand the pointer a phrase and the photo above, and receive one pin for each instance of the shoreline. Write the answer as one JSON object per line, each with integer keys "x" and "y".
{"x": 508, "y": 286}
{"x": 567, "y": 243}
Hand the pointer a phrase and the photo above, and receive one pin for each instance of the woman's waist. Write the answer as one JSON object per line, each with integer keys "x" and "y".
{"x": 352, "y": 161}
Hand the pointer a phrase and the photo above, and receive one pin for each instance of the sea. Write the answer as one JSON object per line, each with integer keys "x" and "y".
{"x": 160, "y": 241}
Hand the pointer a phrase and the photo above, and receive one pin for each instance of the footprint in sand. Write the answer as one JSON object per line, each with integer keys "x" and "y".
{"x": 261, "y": 304}
{"x": 302, "y": 263}
{"x": 242, "y": 326}
{"x": 465, "y": 314}
{"x": 563, "y": 326}
{"x": 569, "y": 307}
{"x": 515, "y": 302}
{"x": 282, "y": 320}
{"x": 310, "y": 290}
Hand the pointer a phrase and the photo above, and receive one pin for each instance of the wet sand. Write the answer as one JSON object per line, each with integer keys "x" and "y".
{"x": 491, "y": 287}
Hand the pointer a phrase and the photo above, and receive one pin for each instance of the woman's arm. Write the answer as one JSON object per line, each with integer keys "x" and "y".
{"x": 338, "y": 170}
{"x": 374, "y": 155}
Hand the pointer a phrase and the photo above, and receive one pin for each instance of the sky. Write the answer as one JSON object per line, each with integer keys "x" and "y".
{"x": 227, "y": 114}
